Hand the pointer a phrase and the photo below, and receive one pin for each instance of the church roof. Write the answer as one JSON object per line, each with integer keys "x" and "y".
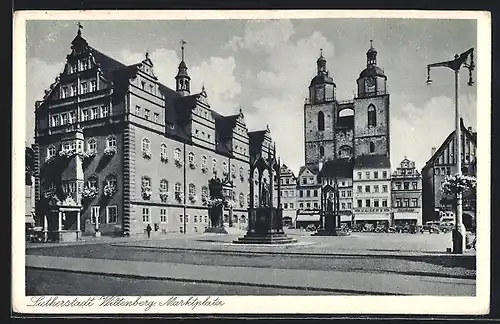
{"x": 321, "y": 79}
{"x": 372, "y": 71}
{"x": 372, "y": 161}
{"x": 341, "y": 168}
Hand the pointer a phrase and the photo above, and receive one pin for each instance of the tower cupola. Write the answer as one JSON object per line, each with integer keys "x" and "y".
{"x": 182, "y": 78}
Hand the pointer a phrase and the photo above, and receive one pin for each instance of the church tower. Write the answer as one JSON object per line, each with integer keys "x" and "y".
{"x": 371, "y": 110}
{"x": 182, "y": 79}
{"x": 319, "y": 108}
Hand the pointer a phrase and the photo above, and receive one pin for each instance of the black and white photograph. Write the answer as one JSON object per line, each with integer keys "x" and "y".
{"x": 251, "y": 162}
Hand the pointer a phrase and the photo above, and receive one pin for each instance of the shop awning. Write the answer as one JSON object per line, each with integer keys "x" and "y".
{"x": 308, "y": 218}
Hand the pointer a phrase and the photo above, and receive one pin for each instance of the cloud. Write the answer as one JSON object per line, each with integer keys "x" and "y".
{"x": 216, "y": 73}
{"x": 39, "y": 76}
{"x": 283, "y": 82}
{"x": 415, "y": 130}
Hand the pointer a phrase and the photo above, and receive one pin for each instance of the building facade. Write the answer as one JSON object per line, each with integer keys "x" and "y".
{"x": 288, "y": 195}
{"x": 442, "y": 163}
{"x": 133, "y": 152}
{"x": 406, "y": 194}
{"x": 308, "y": 197}
{"x": 354, "y": 133}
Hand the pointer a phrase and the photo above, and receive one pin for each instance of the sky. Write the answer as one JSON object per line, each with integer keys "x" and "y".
{"x": 264, "y": 67}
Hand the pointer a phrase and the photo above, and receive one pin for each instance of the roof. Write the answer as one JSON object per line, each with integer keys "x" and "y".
{"x": 473, "y": 136}
{"x": 107, "y": 64}
{"x": 313, "y": 169}
{"x": 372, "y": 71}
{"x": 372, "y": 161}
{"x": 321, "y": 79}
{"x": 341, "y": 168}
{"x": 256, "y": 138}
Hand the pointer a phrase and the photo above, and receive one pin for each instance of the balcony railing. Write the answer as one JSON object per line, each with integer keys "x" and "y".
{"x": 308, "y": 100}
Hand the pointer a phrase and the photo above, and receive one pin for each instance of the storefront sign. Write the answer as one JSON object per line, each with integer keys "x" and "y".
{"x": 405, "y": 210}
{"x": 372, "y": 210}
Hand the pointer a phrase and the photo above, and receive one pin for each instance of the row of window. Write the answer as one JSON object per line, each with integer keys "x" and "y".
{"x": 77, "y": 145}
{"x": 146, "y": 217}
{"x": 406, "y": 172}
{"x": 368, "y": 175}
{"x": 368, "y": 203}
{"x": 405, "y": 202}
{"x": 442, "y": 171}
{"x": 147, "y": 114}
{"x": 342, "y": 206}
{"x": 80, "y": 65}
{"x": 376, "y": 188}
{"x": 406, "y": 186}
{"x": 111, "y": 216}
{"x": 70, "y": 117}
{"x": 85, "y": 87}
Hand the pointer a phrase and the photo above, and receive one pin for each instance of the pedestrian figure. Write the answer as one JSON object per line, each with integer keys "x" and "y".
{"x": 148, "y": 229}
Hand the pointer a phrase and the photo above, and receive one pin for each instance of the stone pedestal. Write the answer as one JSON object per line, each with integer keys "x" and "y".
{"x": 265, "y": 226}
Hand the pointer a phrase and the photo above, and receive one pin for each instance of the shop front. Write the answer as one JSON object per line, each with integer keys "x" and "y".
{"x": 305, "y": 219}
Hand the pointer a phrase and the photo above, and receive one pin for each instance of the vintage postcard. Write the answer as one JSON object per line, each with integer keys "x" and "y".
{"x": 225, "y": 162}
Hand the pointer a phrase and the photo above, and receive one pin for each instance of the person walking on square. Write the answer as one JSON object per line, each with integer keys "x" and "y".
{"x": 148, "y": 229}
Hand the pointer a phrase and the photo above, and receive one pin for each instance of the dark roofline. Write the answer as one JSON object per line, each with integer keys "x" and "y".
{"x": 446, "y": 142}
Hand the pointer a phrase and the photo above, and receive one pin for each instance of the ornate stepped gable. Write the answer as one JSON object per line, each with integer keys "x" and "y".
{"x": 116, "y": 77}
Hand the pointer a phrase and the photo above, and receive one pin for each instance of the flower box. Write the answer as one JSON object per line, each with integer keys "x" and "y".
{"x": 88, "y": 154}
{"x": 164, "y": 158}
{"x": 225, "y": 174}
{"x": 146, "y": 192}
{"x": 163, "y": 196}
{"x": 48, "y": 194}
{"x": 242, "y": 178}
{"x": 109, "y": 190}
{"x": 67, "y": 153}
{"x": 192, "y": 165}
{"x": 89, "y": 193}
{"x": 110, "y": 151}
{"x": 453, "y": 185}
{"x": 204, "y": 169}
{"x": 233, "y": 175}
{"x": 178, "y": 163}
{"x": 50, "y": 159}
{"x": 146, "y": 154}
{"x": 179, "y": 197}
{"x": 209, "y": 202}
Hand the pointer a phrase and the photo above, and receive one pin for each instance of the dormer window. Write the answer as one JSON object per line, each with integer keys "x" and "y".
{"x": 85, "y": 87}
{"x": 143, "y": 85}
{"x": 64, "y": 92}
{"x": 73, "y": 68}
{"x": 84, "y": 64}
{"x": 146, "y": 114}
{"x": 74, "y": 90}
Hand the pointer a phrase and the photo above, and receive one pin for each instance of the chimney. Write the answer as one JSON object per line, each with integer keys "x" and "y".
{"x": 433, "y": 151}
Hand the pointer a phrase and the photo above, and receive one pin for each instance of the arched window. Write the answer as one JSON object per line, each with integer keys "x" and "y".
{"x": 191, "y": 157}
{"x": 372, "y": 116}
{"x": 204, "y": 191}
{"x": 51, "y": 151}
{"x": 111, "y": 141}
{"x": 242, "y": 199}
{"x": 192, "y": 189}
{"x": 214, "y": 166}
{"x": 146, "y": 182}
{"x": 163, "y": 149}
{"x": 241, "y": 172}
{"x": 203, "y": 161}
{"x": 372, "y": 147}
{"x": 92, "y": 145}
{"x": 321, "y": 121}
{"x": 177, "y": 187}
{"x": 233, "y": 170}
{"x": 321, "y": 151}
{"x": 146, "y": 144}
{"x": 92, "y": 182}
{"x": 111, "y": 180}
{"x": 224, "y": 167}
{"x": 177, "y": 154}
{"x": 163, "y": 185}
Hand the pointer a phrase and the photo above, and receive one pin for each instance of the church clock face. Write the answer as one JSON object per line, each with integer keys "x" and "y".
{"x": 370, "y": 84}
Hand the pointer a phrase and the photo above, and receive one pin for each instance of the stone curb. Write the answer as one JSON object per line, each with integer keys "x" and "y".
{"x": 229, "y": 283}
{"x": 416, "y": 255}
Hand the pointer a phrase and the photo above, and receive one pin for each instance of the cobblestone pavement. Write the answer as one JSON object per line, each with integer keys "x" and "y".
{"x": 394, "y": 256}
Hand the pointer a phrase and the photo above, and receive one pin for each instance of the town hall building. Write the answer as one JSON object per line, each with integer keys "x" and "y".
{"x": 117, "y": 150}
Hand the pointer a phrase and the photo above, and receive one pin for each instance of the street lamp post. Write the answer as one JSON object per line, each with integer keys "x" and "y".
{"x": 458, "y": 62}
